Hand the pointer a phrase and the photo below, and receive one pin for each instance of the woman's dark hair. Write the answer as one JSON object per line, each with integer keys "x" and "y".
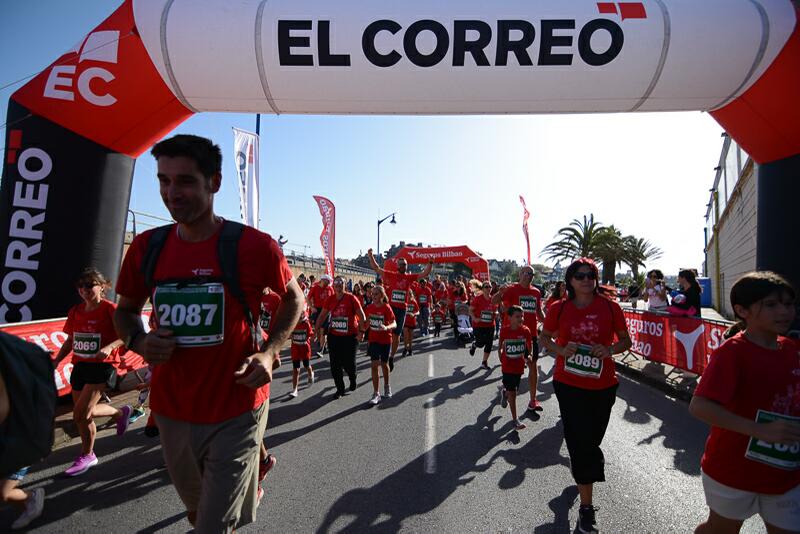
{"x": 90, "y": 274}
{"x": 573, "y": 268}
{"x": 556, "y": 291}
{"x": 758, "y": 285}
{"x": 690, "y": 276}
{"x": 204, "y": 152}
{"x": 658, "y": 273}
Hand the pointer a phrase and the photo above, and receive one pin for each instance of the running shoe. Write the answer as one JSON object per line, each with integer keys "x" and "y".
{"x": 387, "y": 392}
{"x": 293, "y": 394}
{"x": 405, "y": 352}
{"x": 519, "y": 425}
{"x": 33, "y": 509}
{"x": 353, "y": 385}
{"x": 586, "y": 519}
{"x": 485, "y": 365}
{"x": 82, "y": 464}
{"x": 311, "y": 378}
{"x": 265, "y": 465}
{"x": 124, "y": 419}
{"x": 375, "y": 399}
{"x": 136, "y": 413}
{"x": 534, "y": 406}
{"x": 410, "y": 352}
{"x": 391, "y": 363}
{"x": 472, "y": 350}
{"x": 503, "y": 397}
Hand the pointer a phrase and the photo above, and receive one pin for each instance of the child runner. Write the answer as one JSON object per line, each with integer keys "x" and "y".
{"x": 438, "y": 320}
{"x": 412, "y": 310}
{"x": 301, "y": 352}
{"x": 482, "y": 312}
{"x": 750, "y": 395}
{"x": 94, "y": 343}
{"x": 585, "y": 380}
{"x": 380, "y": 321}
{"x": 516, "y": 343}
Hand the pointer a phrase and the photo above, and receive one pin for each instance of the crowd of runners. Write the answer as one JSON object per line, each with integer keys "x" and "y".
{"x": 225, "y": 303}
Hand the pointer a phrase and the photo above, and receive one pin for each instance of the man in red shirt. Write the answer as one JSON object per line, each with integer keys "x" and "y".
{"x": 318, "y": 295}
{"x": 211, "y": 369}
{"x": 397, "y": 284}
{"x": 525, "y": 295}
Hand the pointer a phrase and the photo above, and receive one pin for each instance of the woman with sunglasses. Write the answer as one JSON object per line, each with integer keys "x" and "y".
{"x": 94, "y": 345}
{"x": 345, "y": 315}
{"x": 580, "y": 330}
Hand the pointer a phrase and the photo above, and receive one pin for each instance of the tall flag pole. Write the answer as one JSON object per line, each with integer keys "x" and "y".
{"x": 526, "y": 215}
{"x": 245, "y": 151}
{"x": 328, "y": 236}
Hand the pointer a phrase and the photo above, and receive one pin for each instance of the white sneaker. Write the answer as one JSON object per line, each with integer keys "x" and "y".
{"x": 33, "y": 509}
{"x": 387, "y": 392}
{"x": 293, "y": 394}
{"x": 311, "y": 378}
{"x": 375, "y": 399}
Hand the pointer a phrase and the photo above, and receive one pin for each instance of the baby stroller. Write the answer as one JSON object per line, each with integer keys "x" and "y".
{"x": 464, "y": 333}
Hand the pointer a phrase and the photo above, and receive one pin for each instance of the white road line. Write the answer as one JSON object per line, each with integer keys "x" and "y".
{"x": 430, "y": 365}
{"x": 430, "y": 437}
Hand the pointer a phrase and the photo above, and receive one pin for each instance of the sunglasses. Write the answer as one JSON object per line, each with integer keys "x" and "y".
{"x": 584, "y": 276}
{"x": 86, "y": 285}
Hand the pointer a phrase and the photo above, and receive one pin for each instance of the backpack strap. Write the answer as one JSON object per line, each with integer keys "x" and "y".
{"x": 151, "y": 254}
{"x": 228, "y": 256}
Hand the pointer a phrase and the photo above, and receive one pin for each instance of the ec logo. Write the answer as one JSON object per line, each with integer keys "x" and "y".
{"x": 99, "y": 46}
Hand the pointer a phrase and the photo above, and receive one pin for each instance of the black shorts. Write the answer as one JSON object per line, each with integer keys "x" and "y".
{"x": 92, "y": 373}
{"x": 378, "y": 351}
{"x": 511, "y": 381}
{"x": 484, "y": 337}
{"x": 400, "y": 319}
{"x": 296, "y": 363}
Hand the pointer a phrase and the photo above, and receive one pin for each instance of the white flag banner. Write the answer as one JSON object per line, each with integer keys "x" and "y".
{"x": 245, "y": 152}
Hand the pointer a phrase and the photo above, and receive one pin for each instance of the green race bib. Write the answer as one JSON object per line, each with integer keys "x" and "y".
{"x": 437, "y": 319}
{"x": 340, "y": 325}
{"x": 515, "y": 348}
{"x": 398, "y": 296}
{"x": 487, "y": 316}
{"x": 194, "y": 313}
{"x": 375, "y": 321}
{"x": 265, "y": 320}
{"x": 85, "y": 345}
{"x": 528, "y": 303}
{"x": 582, "y": 363}
{"x": 423, "y": 299}
{"x": 780, "y": 455}
{"x": 299, "y": 337}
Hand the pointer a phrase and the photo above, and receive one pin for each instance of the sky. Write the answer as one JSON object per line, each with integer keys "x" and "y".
{"x": 451, "y": 180}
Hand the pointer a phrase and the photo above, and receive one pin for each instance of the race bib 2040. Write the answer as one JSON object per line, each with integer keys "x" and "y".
{"x": 195, "y": 312}
{"x": 340, "y": 325}
{"x": 582, "y": 363}
{"x": 527, "y": 303}
{"x": 85, "y": 345}
{"x": 780, "y": 455}
{"x": 515, "y": 348}
{"x": 398, "y": 296}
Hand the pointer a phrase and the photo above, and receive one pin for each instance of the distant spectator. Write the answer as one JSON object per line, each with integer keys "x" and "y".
{"x": 655, "y": 292}
{"x": 687, "y": 301}
{"x": 282, "y": 241}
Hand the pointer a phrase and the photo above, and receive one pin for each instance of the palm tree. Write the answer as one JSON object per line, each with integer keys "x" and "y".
{"x": 611, "y": 251}
{"x": 579, "y": 239}
{"x": 638, "y": 251}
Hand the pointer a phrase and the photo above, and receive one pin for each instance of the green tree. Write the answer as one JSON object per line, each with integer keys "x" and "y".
{"x": 638, "y": 251}
{"x": 610, "y": 249}
{"x": 579, "y": 239}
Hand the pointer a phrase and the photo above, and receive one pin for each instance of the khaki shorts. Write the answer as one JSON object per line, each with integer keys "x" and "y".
{"x": 782, "y": 511}
{"x": 214, "y": 467}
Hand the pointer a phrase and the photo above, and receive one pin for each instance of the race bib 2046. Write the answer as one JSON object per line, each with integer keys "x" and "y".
{"x": 85, "y": 345}
{"x": 195, "y": 312}
{"x": 582, "y": 363}
{"x": 780, "y": 455}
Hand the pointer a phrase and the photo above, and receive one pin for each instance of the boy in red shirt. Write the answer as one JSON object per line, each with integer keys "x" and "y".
{"x": 301, "y": 352}
{"x": 516, "y": 342}
{"x": 438, "y": 320}
{"x": 412, "y": 311}
{"x": 750, "y": 395}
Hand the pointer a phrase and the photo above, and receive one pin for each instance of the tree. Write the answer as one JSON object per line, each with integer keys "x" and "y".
{"x": 611, "y": 251}
{"x": 579, "y": 239}
{"x": 638, "y": 251}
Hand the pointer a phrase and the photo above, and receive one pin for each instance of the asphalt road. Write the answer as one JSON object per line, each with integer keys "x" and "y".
{"x": 439, "y": 456}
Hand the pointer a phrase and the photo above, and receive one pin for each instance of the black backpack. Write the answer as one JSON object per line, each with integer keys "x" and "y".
{"x": 228, "y": 257}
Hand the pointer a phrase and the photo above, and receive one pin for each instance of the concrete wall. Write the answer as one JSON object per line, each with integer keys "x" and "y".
{"x": 735, "y": 238}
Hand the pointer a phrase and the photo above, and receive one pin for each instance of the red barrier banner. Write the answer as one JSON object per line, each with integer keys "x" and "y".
{"x": 49, "y": 335}
{"x": 683, "y": 342}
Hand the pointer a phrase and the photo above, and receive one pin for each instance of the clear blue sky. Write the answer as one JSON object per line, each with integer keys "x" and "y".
{"x": 451, "y": 180}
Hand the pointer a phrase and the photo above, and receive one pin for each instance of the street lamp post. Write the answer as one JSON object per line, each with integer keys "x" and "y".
{"x": 381, "y": 221}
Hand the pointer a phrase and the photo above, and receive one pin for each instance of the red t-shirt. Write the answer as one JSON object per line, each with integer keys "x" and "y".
{"x": 438, "y": 317}
{"x": 746, "y": 378}
{"x": 514, "y": 346}
{"x": 424, "y": 296}
{"x": 529, "y": 298}
{"x": 198, "y": 384}
{"x": 384, "y": 314}
{"x": 483, "y": 310}
{"x": 91, "y": 331}
{"x": 411, "y": 320}
{"x": 269, "y": 305}
{"x": 397, "y": 286}
{"x": 451, "y": 298}
{"x": 550, "y": 301}
{"x": 301, "y": 340}
{"x": 596, "y": 323}
{"x": 317, "y": 296}
{"x": 343, "y": 314}
{"x": 440, "y": 294}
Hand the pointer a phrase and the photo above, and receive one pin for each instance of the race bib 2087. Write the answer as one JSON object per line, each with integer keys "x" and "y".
{"x": 194, "y": 313}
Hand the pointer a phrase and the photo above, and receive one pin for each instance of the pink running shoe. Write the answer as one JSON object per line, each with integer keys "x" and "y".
{"x": 124, "y": 419}
{"x": 82, "y": 464}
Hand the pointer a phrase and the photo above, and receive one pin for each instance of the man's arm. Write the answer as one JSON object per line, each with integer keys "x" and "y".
{"x": 374, "y": 264}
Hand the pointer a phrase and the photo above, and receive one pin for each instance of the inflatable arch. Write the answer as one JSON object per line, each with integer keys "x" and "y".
{"x": 463, "y": 255}
{"x": 74, "y": 130}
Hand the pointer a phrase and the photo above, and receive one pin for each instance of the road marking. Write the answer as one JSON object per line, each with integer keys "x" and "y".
{"x": 430, "y": 365}
{"x": 430, "y": 437}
